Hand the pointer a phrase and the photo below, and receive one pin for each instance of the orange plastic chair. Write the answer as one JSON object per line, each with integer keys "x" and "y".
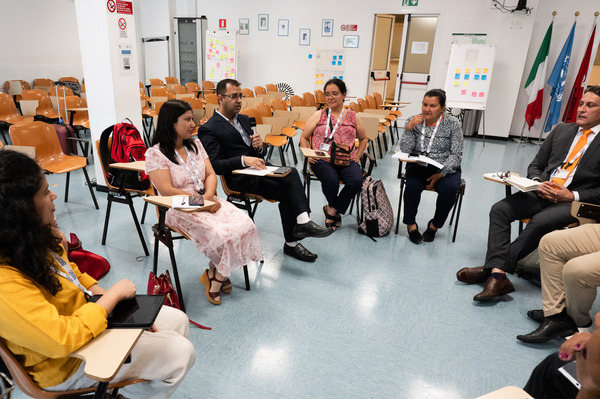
{"x": 279, "y": 104}
{"x": 80, "y": 119}
{"x": 49, "y": 154}
{"x": 156, "y": 91}
{"x": 271, "y": 88}
{"x": 61, "y": 91}
{"x": 44, "y": 108}
{"x": 170, "y": 80}
{"x": 193, "y": 87}
{"x": 8, "y": 111}
{"x": 247, "y": 92}
{"x": 264, "y": 110}
{"x": 320, "y": 99}
{"x": 43, "y": 84}
{"x": 208, "y": 86}
{"x": 297, "y": 101}
{"x": 69, "y": 79}
{"x": 259, "y": 90}
{"x": 309, "y": 99}
{"x": 211, "y": 98}
{"x": 156, "y": 82}
{"x": 24, "y": 86}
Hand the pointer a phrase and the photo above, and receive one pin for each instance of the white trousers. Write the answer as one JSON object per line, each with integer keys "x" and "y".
{"x": 163, "y": 358}
{"x": 570, "y": 271}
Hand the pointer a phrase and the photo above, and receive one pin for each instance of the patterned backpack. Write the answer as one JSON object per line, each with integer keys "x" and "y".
{"x": 377, "y": 218}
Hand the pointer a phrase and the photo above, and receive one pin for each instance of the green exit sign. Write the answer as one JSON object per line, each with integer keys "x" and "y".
{"x": 410, "y": 3}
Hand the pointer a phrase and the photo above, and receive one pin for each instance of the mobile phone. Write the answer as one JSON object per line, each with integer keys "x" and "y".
{"x": 320, "y": 153}
{"x": 589, "y": 211}
{"x": 281, "y": 170}
{"x": 196, "y": 200}
{"x": 414, "y": 154}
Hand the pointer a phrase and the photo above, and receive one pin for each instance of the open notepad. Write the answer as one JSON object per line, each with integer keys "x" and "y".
{"x": 522, "y": 183}
{"x": 422, "y": 159}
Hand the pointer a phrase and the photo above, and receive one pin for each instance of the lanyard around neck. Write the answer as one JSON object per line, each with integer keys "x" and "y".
{"x": 327, "y": 136}
{"x": 195, "y": 175}
{"x": 69, "y": 275}
{"x": 437, "y": 124}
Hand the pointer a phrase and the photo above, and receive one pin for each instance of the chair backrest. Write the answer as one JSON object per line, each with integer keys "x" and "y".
{"x": 171, "y": 80}
{"x": 273, "y": 95}
{"x": 378, "y": 98}
{"x": 247, "y": 92}
{"x": 271, "y": 88}
{"x": 159, "y": 91}
{"x": 208, "y": 86}
{"x": 156, "y": 82}
{"x": 259, "y": 90}
{"x": 68, "y": 79}
{"x": 193, "y": 87}
{"x": 104, "y": 162}
{"x": 250, "y": 102}
{"x": 305, "y": 112}
{"x": 297, "y": 101}
{"x": 371, "y": 104}
{"x": 196, "y": 103}
{"x": 264, "y": 109}
{"x": 371, "y": 123}
{"x": 210, "y": 109}
{"x": 278, "y": 123}
{"x": 355, "y": 107}
{"x": 61, "y": 91}
{"x": 279, "y": 104}
{"x": 291, "y": 115}
{"x": 40, "y": 135}
{"x": 81, "y": 118}
{"x": 320, "y": 96}
{"x": 7, "y": 106}
{"x": 363, "y": 103}
{"x": 252, "y": 113}
{"x": 43, "y": 84}
{"x": 177, "y": 88}
{"x": 309, "y": 99}
{"x": 43, "y": 98}
{"x": 211, "y": 98}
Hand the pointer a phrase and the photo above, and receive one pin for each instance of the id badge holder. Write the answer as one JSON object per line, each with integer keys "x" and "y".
{"x": 325, "y": 147}
{"x": 560, "y": 173}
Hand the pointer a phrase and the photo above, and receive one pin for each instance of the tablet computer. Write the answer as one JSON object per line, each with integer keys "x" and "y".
{"x": 137, "y": 312}
{"x": 569, "y": 370}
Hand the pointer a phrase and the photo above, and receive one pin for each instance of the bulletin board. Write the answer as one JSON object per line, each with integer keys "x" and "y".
{"x": 329, "y": 64}
{"x": 221, "y": 55}
{"x": 469, "y": 74}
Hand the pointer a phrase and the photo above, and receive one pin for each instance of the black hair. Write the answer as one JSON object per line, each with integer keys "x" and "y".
{"x": 439, "y": 93}
{"x": 222, "y": 85}
{"x": 165, "y": 134}
{"x": 24, "y": 241}
{"x": 592, "y": 89}
{"x": 338, "y": 82}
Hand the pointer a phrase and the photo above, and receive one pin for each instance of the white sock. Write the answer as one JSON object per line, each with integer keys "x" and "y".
{"x": 303, "y": 218}
{"x": 292, "y": 243}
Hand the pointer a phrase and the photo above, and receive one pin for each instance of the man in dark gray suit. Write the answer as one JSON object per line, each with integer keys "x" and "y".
{"x": 568, "y": 165}
{"x": 230, "y": 143}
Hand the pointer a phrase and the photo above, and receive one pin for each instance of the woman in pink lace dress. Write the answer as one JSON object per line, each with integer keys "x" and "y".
{"x": 342, "y": 126}
{"x": 178, "y": 165}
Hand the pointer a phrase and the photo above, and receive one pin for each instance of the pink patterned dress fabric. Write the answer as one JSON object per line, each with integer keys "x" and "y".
{"x": 228, "y": 237}
{"x": 344, "y": 134}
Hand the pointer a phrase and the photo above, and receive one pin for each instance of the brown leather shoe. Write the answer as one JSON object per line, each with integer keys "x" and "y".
{"x": 494, "y": 288}
{"x": 473, "y": 275}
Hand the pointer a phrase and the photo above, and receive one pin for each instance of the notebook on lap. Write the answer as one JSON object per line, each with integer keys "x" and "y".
{"x": 137, "y": 312}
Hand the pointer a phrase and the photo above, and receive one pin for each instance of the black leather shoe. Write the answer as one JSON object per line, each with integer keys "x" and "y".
{"x": 311, "y": 229}
{"x": 473, "y": 275}
{"x": 554, "y": 326}
{"x": 536, "y": 315}
{"x": 429, "y": 234}
{"x": 299, "y": 252}
{"x": 414, "y": 236}
{"x": 494, "y": 288}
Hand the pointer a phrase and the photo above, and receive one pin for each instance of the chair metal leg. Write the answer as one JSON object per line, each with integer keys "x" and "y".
{"x": 458, "y": 214}
{"x": 269, "y": 153}
{"x": 291, "y": 145}
{"x": 144, "y": 212}
{"x": 101, "y": 390}
{"x": 246, "y": 278}
{"x": 68, "y": 178}
{"x": 380, "y": 147}
{"x": 402, "y": 183}
{"x": 107, "y": 217}
{"x": 89, "y": 183}
{"x": 155, "y": 259}
{"x": 169, "y": 239}
{"x": 282, "y": 156}
{"x": 135, "y": 221}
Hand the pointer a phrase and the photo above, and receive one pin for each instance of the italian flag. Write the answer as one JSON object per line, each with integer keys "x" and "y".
{"x": 535, "y": 82}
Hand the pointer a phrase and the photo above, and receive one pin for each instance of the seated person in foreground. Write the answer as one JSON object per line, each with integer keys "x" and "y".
{"x": 341, "y": 126}
{"x": 570, "y": 271}
{"x": 568, "y": 165}
{"x": 43, "y": 299}
{"x": 178, "y": 165}
{"x": 547, "y": 382}
{"x": 438, "y": 136}
{"x": 230, "y": 144}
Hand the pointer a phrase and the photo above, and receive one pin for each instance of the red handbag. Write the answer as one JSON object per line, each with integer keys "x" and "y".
{"x": 162, "y": 285}
{"x": 88, "y": 262}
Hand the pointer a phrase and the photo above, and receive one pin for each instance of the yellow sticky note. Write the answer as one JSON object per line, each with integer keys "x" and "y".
{"x": 210, "y": 40}
{"x": 231, "y": 47}
{"x": 467, "y": 70}
{"x": 227, "y": 69}
{"x": 211, "y": 74}
{"x": 317, "y": 76}
{"x": 231, "y": 54}
{"x": 478, "y": 70}
{"x": 485, "y": 70}
{"x": 212, "y": 69}
{"x": 465, "y": 83}
{"x": 456, "y": 83}
{"x": 458, "y": 70}
{"x": 322, "y": 75}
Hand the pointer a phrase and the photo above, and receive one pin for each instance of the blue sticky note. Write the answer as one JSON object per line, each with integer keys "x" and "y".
{"x": 335, "y": 57}
{"x": 483, "y": 77}
{"x": 335, "y": 77}
{"x": 332, "y": 62}
{"x": 341, "y": 57}
{"x": 466, "y": 77}
{"x": 339, "y": 62}
{"x": 310, "y": 56}
{"x": 457, "y": 76}
{"x": 341, "y": 77}
{"x": 476, "y": 77}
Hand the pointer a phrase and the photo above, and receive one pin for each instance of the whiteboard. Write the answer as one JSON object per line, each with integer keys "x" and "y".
{"x": 156, "y": 58}
{"x": 221, "y": 55}
{"x": 469, "y": 74}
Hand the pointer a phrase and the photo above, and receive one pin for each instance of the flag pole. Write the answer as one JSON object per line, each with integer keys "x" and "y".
{"x": 539, "y": 142}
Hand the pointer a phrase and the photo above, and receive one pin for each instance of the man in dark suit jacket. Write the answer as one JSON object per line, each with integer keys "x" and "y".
{"x": 548, "y": 208}
{"x": 230, "y": 144}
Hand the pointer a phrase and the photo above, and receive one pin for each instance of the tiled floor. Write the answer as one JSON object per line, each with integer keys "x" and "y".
{"x": 383, "y": 319}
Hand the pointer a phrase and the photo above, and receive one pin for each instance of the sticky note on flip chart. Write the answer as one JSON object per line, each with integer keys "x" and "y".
{"x": 463, "y": 92}
{"x": 483, "y": 77}
{"x": 458, "y": 71}
{"x": 467, "y": 70}
{"x": 485, "y": 70}
{"x": 467, "y": 77}
{"x": 456, "y": 82}
{"x": 477, "y": 70}
{"x": 481, "y": 94}
{"x": 474, "y": 94}
{"x": 457, "y": 76}
{"x": 476, "y": 77}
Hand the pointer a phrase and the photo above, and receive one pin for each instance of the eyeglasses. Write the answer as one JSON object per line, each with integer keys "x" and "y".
{"x": 334, "y": 94}
{"x": 235, "y": 96}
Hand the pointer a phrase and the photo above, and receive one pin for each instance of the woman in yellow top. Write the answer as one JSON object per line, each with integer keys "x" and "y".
{"x": 43, "y": 298}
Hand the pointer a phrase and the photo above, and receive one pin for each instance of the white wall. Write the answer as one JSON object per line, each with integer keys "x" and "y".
{"x": 265, "y": 57}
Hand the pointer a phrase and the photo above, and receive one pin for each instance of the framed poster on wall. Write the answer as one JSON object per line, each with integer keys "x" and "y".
{"x": 263, "y": 21}
{"x": 304, "y": 37}
{"x": 244, "y": 26}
